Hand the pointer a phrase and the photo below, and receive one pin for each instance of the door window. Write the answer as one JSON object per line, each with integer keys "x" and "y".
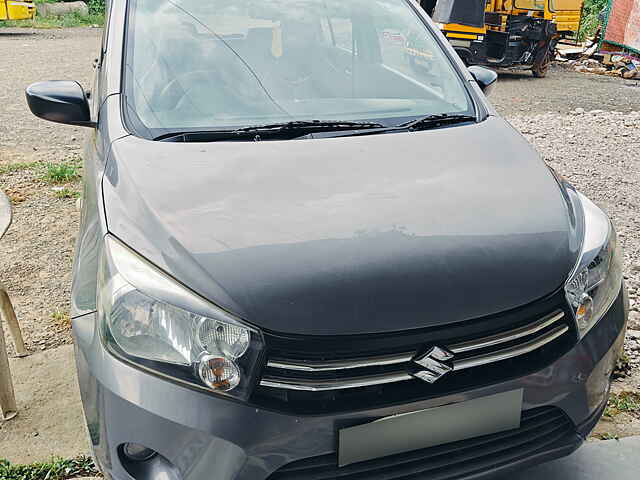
{"x": 530, "y": 4}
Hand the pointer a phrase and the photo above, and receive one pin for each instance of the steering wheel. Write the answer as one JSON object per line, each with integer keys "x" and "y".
{"x": 218, "y": 91}
{"x": 286, "y": 77}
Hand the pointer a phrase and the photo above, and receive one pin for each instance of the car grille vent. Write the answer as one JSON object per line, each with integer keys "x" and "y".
{"x": 490, "y": 350}
{"x": 541, "y": 430}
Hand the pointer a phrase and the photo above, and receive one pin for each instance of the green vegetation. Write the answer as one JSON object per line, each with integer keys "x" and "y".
{"x": 62, "y": 172}
{"x": 607, "y": 436}
{"x": 55, "y": 173}
{"x": 61, "y": 318}
{"x": 56, "y": 469}
{"x": 96, "y": 7}
{"x": 16, "y": 167}
{"x": 590, "y": 20}
{"x": 58, "y": 21}
{"x": 95, "y": 17}
{"x": 66, "y": 193}
{"x": 628, "y": 402}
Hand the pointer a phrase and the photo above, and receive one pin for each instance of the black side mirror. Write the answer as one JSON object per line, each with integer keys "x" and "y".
{"x": 486, "y": 78}
{"x": 61, "y": 101}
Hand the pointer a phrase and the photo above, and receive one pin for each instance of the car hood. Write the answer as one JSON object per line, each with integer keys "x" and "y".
{"x": 348, "y": 235}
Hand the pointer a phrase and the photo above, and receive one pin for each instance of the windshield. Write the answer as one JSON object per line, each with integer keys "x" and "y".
{"x": 530, "y": 4}
{"x": 194, "y": 65}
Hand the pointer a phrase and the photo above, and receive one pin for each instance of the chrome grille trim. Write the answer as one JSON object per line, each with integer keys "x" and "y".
{"x": 507, "y": 336}
{"x": 511, "y": 352}
{"x": 324, "y": 384}
{"x": 330, "y": 365}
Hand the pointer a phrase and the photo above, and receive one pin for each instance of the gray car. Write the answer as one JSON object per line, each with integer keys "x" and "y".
{"x": 311, "y": 250}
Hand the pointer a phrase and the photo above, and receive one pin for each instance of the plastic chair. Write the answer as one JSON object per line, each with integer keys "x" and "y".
{"x": 8, "y": 408}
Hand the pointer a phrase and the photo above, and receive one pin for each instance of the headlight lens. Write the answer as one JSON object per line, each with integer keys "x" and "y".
{"x": 596, "y": 280}
{"x": 182, "y": 336}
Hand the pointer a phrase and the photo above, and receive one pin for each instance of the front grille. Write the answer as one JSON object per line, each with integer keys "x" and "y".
{"x": 541, "y": 429}
{"x": 330, "y": 374}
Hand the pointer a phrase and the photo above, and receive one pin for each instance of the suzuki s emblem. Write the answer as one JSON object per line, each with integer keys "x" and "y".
{"x": 435, "y": 364}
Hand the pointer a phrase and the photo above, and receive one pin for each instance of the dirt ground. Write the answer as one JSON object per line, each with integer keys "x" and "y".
{"x": 50, "y": 421}
{"x": 36, "y": 254}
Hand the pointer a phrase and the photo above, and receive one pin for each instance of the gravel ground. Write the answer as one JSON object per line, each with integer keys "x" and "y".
{"x": 36, "y": 253}
{"x": 586, "y": 126}
{"x": 562, "y": 91}
{"x": 599, "y": 152}
{"x": 30, "y": 57}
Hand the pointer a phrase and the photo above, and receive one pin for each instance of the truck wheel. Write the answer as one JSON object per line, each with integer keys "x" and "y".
{"x": 464, "y": 56}
{"x": 540, "y": 71}
{"x": 542, "y": 61}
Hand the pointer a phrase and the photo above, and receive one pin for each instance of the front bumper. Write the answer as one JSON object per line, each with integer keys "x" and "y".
{"x": 201, "y": 436}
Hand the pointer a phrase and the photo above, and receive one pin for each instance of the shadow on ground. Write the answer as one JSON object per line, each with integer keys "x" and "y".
{"x": 16, "y": 34}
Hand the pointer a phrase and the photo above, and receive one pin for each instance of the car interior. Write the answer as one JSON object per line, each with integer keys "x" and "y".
{"x": 274, "y": 68}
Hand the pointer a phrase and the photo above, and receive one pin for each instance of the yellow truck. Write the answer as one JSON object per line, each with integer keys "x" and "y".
{"x": 17, "y": 9}
{"x": 506, "y": 33}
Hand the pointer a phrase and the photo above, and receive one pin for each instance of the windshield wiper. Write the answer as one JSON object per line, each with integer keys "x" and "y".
{"x": 308, "y": 126}
{"x": 437, "y": 120}
{"x": 297, "y": 128}
{"x": 430, "y": 121}
{"x": 289, "y": 130}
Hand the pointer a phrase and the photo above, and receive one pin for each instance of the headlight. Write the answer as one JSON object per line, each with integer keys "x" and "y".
{"x": 595, "y": 282}
{"x": 151, "y": 320}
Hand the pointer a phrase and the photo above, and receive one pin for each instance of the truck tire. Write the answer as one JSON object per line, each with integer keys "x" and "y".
{"x": 540, "y": 70}
{"x": 543, "y": 58}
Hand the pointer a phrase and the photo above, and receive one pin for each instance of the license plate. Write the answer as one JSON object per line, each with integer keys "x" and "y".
{"x": 427, "y": 428}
